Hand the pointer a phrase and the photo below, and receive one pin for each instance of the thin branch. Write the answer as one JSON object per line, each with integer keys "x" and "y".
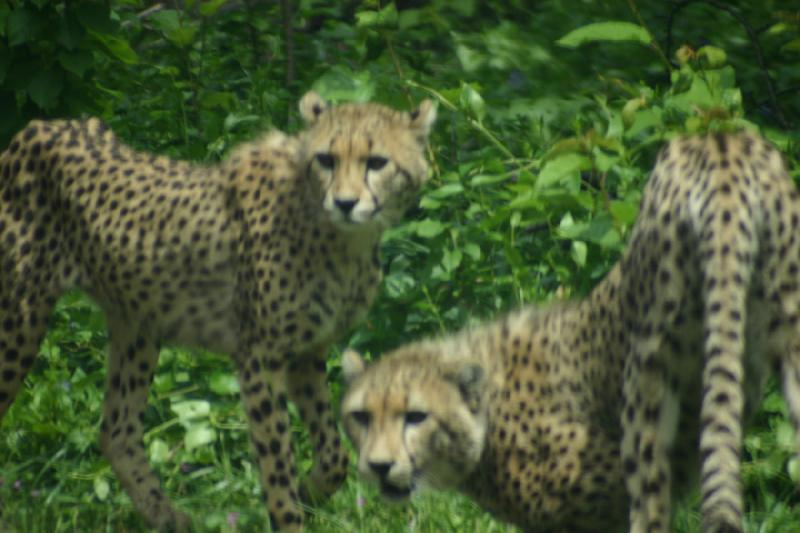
{"x": 287, "y": 12}
{"x": 653, "y": 43}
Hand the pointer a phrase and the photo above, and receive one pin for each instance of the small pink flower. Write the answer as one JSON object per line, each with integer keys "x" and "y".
{"x": 18, "y": 484}
{"x": 360, "y": 501}
{"x": 232, "y": 518}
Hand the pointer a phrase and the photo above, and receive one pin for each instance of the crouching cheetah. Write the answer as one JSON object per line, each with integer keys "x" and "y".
{"x": 509, "y": 413}
{"x": 670, "y": 351}
{"x": 268, "y": 256}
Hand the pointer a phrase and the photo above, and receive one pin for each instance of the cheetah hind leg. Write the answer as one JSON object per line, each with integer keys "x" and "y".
{"x": 132, "y": 361}
{"x": 310, "y": 392}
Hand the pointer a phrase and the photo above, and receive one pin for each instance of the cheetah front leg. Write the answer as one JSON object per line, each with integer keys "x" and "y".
{"x": 23, "y": 324}
{"x": 132, "y": 360}
{"x": 310, "y": 392}
{"x": 263, "y": 381}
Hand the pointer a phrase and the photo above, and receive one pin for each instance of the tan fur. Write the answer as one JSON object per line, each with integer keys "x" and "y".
{"x": 268, "y": 256}
{"x": 666, "y": 357}
{"x": 510, "y": 422}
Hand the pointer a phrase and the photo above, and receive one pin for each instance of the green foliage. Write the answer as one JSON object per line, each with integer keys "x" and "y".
{"x": 550, "y": 120}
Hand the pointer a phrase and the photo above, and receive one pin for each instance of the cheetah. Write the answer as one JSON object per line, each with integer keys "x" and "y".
{"x": 505, "y": 412}
{"x": 268, "y": 256}
{"x": 670, "y": 351}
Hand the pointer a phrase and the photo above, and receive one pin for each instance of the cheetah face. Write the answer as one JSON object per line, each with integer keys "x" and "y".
{"x": 415, "y": 424}
{"x": 368, "y": 160}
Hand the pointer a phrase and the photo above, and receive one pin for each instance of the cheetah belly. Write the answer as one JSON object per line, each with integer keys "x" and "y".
{"x": 204, "y": 316}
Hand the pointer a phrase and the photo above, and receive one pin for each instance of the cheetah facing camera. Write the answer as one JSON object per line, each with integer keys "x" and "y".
{"x": 502, "y": 412}
{"x": 268, "y": 256}
{"x": 671, "y": 351}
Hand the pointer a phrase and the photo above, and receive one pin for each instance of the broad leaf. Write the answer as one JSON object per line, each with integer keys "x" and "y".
{"x": 605, "y": 31}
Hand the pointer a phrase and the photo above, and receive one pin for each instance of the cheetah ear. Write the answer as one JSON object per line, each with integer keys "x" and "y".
{"x": 423, "y": 117}
{"x": 470, "y": 378}
{"x": 353, "y": 365}
{"x": 311, "y": 107}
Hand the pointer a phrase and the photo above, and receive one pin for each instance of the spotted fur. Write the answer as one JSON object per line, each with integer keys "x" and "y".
{"x": 268, "y": 256}
{"x": 671, "y": 350}
{"x": 510, "y": 412}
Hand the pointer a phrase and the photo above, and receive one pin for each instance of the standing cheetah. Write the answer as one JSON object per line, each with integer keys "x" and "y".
{"x": 268, "y": 256}
{"x": 670, "y": 351}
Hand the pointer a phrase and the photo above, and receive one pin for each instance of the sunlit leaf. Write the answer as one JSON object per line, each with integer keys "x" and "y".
{"x": 101, "y": 488}
{"x": 191, "y": 409}
{"x": 199, "y": 435}
{"x": 606, "y": 31}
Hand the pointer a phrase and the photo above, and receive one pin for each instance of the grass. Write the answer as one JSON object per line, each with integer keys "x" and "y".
{"x": 54, "y": 479}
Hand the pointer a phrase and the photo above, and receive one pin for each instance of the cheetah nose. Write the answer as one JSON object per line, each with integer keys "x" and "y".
{"x": 381, "y": 467}
{"x": 346, "y": 205}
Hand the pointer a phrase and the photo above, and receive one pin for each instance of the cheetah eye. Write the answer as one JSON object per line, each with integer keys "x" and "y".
{"x": 326, "y": 160}
{"x": 376, "y": 162}
{"x": 361, "y": 418}
{"x": 415, "y": 417}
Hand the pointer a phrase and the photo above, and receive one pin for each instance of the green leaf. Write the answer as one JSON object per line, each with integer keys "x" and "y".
{"x": 176, "y": 30}
{"x": 117, "y": 47}
{"x": 233, "y": 120}
{"x": 606, "y": 31}
{"x": 199, "y": 435}
{"x": 714, "y": 57}
{"x": 429, "y": 228}
{"x": 451, "y": 259}
{"x": 45, "y": 87}
{"x": 5, "y": 11}
{"x": 400, "y": 284}
{"x": 70, "y": 32}
{"x": 562, "y": 168}
{"x": 101, "y": 488}
{"x": 578, "y": 252}
{"x": 793, "y": 469}
{"x": 385, "y": 18}
{"x": 599, "y": 230}
{"x": 77, "y": 62}
{"x": 210, "y": 7}
{"x": 23, "y": 26}
{"x": 96, "y": 17}
{"x": 159, "y": 451}
{"x": 624, "y": 212}
{"x": 5, "y": 62}
{"x": 224, "y": 383}
{"x": 191, "y": 409}
{"x": 343, "y": 84}
{"x": 486, "y": 179}
{"x": 791, "y": 46}
{"x": 472, "y": 102}
{"x": 473, "y": 250}
{"x": 448, "y": 189}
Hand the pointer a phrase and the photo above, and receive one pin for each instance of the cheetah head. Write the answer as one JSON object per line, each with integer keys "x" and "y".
{"x": 415, "y": 421}
{"x": 368, "y": 159}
